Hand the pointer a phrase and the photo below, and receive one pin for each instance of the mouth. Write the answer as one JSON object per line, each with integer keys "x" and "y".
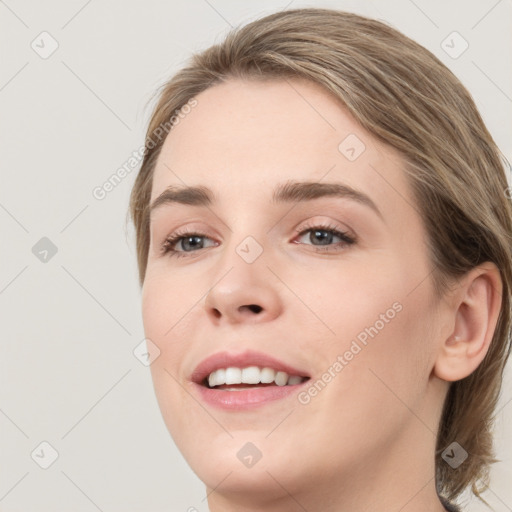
{"x": 239, "y": 381}
{"x": 236, "y": 379}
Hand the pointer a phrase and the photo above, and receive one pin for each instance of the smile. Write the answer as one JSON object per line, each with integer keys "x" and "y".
{"x": 247, "y": 380}
{"x": 250, "y": 376}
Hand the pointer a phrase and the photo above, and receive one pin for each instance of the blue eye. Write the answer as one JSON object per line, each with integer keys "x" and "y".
{"x": 192, "y": 242}
{"x": 188, "y": 241}
{"x": 325, "y": 235}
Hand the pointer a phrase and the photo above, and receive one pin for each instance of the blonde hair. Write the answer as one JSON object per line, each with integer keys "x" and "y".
{"x": 403, "y": 95}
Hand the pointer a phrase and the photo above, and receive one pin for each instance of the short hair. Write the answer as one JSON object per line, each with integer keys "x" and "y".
{"x": 406, "y": 97}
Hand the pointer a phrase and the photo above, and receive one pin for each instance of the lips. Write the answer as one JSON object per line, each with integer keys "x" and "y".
{"x": 232, "y": 397}
{"x": 224, "y": 360}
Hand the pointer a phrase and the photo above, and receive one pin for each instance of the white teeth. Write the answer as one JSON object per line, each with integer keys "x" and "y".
{"x": 267, "y": 375}
{"x": 281, "y": 378}
{"x": 233, "y": 376}
{"x": 217, "y": 377}
{"x": 251, "y": 375}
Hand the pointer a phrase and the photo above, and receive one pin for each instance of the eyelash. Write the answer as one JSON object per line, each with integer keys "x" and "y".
{"x": 169, "y": 242}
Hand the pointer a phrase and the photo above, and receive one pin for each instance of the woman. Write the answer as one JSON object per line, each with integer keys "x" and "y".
{"x": 323, "y": 239}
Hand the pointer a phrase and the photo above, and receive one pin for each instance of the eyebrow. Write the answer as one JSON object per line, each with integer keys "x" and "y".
{"x": 290, "y": 191}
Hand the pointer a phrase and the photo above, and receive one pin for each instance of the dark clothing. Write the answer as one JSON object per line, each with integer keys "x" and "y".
{"x": 450, "y": 507}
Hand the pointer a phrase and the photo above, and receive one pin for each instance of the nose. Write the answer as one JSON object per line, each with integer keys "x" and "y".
{"x": 245, "y": 293}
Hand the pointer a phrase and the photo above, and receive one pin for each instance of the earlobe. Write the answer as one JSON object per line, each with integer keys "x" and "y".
{"x": 476, "y": 307}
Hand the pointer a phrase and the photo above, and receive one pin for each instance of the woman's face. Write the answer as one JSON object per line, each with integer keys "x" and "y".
{"x": 282, "y": 270}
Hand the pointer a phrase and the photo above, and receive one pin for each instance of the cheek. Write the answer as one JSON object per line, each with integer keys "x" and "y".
{"x": 161, "y": 309}
{"x": 164, "y": 303}
{"x": 152, "y": 303}
{"x": 169, "y": 312}
{"x": 384, "y": 377}
{"x": 344, "y": 300}
{"x": 388, "y": 351}
{"x": 378, "y": 320}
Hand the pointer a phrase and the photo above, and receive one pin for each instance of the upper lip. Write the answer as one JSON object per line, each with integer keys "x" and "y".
{"x": 241, "y": 360}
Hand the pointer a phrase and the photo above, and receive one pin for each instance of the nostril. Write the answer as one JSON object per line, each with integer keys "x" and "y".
{"x": 253, "y": 307}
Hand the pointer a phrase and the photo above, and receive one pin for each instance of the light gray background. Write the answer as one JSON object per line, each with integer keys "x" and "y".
{"x": 69, "y": 325}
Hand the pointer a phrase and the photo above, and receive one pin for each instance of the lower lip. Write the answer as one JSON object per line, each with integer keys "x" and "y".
{"x": 246, "y": 398}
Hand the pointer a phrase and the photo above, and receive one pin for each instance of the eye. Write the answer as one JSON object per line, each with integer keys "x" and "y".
{"x": 185, "y": 242}
{"x": 189, "y": 242}
{"x": 325, "y": 235}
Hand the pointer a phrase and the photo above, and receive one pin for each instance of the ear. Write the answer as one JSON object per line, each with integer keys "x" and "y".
{"x": 476, "y": 305}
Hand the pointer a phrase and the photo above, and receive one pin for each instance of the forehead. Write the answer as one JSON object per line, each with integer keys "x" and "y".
{"x": 243, "y": 137}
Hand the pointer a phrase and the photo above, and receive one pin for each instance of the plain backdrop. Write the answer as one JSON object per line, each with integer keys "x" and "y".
{"x": 74, "y": 83}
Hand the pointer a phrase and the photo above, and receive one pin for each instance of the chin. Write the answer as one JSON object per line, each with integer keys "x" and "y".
{"x": 248, "y": 462}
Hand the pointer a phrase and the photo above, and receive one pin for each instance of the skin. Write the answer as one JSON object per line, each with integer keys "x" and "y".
{"x": 367, "y": 440}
